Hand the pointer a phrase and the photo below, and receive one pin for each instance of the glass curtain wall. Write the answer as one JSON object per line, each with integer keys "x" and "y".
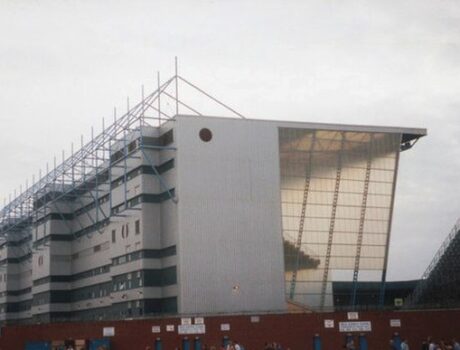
{"x": 337, "y": 195}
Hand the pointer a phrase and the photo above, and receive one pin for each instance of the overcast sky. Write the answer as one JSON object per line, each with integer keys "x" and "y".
{"x": 65, "y": 64}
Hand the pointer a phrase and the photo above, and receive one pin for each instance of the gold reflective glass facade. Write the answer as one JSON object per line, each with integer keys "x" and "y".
{"x": 337, "y": 190}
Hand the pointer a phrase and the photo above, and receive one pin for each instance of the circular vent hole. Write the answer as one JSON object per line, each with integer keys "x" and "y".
{"x": 205, "y": 135}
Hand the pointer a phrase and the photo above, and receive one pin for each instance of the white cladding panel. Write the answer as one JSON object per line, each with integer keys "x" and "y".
{"x": 230, "y": 243}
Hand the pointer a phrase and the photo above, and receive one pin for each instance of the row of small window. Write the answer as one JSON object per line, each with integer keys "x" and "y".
{"x": 125, "y": 230}
{"x": 41, "y": 301}
{"x": 92, "y": 205}
{"x": 89, "y": 273}
{"x": 129, "y": 204}
{"x": 92, "y": 272}
{"x": 127, "y": 258}
{"x": 129, "y": 312}
{"x": 102, "y": 316}
{"x": 78, "y": 296}
{"x": 89, "y": 251}
{"x": 163, "y": 167}
{"x": 134, "y": 280}
{"x": 131, "y": 175}
{"x": 124, "y": 151}
{"x": 16, "y": 307}
{"x": 131, "y": 282}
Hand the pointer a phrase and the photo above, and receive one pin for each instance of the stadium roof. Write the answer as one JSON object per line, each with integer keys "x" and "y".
{"x": 408, "y": 134}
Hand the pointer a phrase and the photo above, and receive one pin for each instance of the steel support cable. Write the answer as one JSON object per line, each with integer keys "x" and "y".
{"x": 211, "y": 97}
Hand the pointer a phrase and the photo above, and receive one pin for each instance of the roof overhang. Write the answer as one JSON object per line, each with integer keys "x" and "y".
{"x": 409, "y": 136}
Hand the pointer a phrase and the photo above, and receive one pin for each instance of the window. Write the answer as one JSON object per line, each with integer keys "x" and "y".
{"x": 132, "y": 146}
{"x": 125, "y": 230}
{"x": 97, "y": 248}
{"x": 133, "y": 202}
{"x": 166, "y": 138}
{"x": 40, "y": 260}
{"x": 137, "y": 227}
{"x": 114, "y": 236}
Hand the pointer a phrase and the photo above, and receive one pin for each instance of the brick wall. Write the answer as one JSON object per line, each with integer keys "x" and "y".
{"x": 294, "y": 331}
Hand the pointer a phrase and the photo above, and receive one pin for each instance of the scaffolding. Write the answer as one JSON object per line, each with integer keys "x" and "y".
{"x": 86, "y": 172}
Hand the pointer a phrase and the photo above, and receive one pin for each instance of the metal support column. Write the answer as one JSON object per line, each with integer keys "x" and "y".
{"x": 362, "y": 218}
{"x": 332, "y": 223}
{"x": 387, "y": 245}
{"x": 298, "y": 245}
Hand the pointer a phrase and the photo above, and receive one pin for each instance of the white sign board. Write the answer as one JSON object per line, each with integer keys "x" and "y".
{"x": 395, "y": 323}
{"x": 363, "y": 326}
{"x": 170, "y": 328}
{"x": 328, "y": 323}
{"x": 186, "y": 321}
{"x": 108, "y": 331}
{"x": 156, "y": 329}
{"x": 255, "y": 319}
{"x": 352, "y": 316}
{"x": 191, "y": 329}
{"x": 224, "y": 326}
{"x": 199, "y": 320}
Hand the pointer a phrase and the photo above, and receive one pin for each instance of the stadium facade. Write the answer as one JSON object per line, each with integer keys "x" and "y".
{"x": 201, "y": 215}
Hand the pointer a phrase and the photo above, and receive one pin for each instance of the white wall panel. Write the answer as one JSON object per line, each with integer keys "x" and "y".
{"x": 230, "y": 243}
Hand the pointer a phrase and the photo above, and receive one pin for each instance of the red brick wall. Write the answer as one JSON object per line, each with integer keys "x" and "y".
{"x": 295, "y": 331}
